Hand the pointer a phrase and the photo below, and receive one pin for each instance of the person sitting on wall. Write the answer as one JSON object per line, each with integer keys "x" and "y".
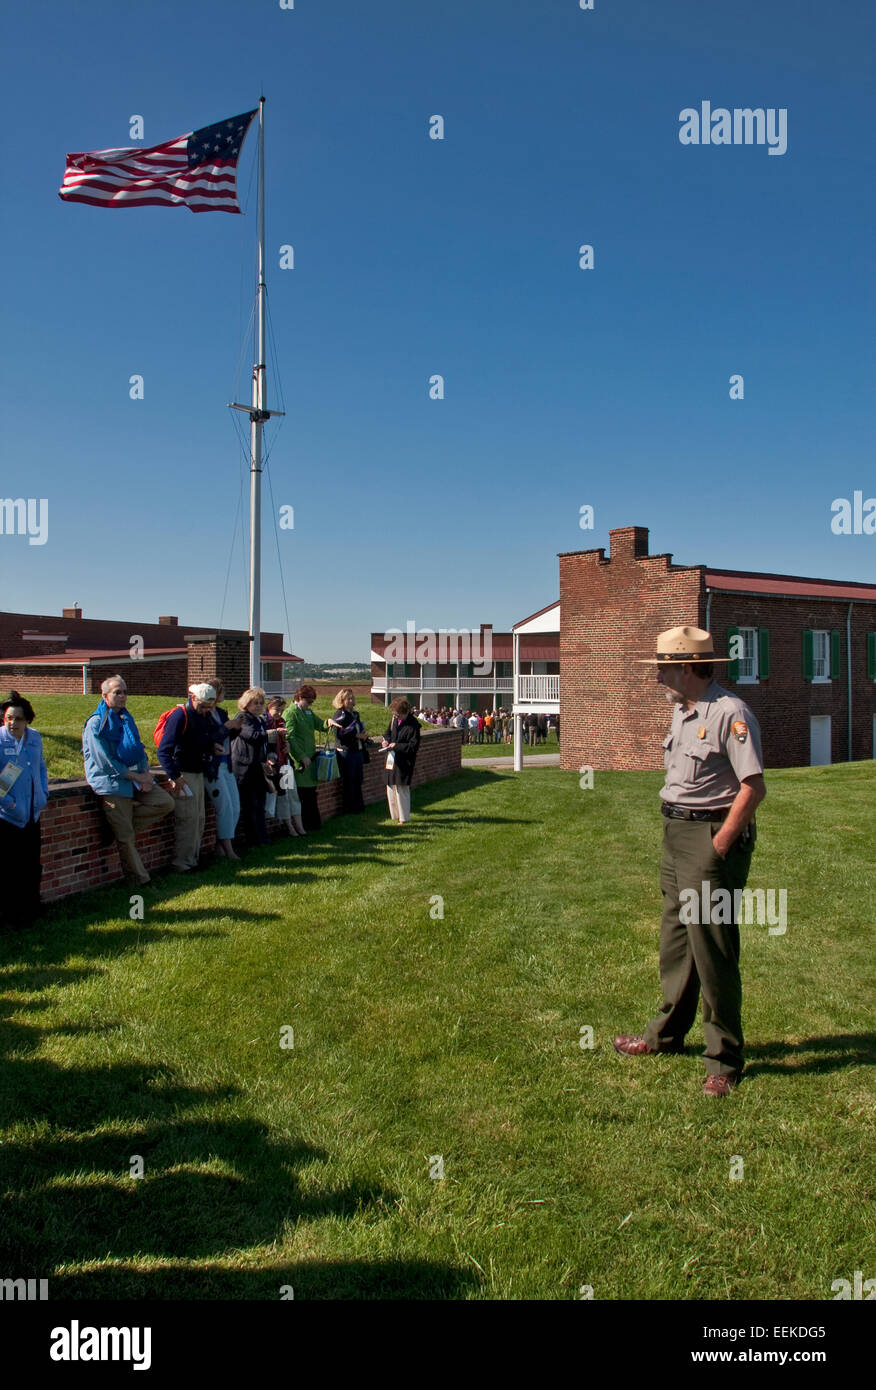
{"x": 24, "y": 791}
{"x": 117, "y": 771}
{"x": 186, "y": 753}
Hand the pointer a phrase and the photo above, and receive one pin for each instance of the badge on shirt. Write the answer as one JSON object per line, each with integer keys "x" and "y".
{"x": 701, "y": 731}
{"x": 739, "y": 730}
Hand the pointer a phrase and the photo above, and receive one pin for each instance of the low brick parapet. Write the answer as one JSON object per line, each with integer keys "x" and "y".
{"x": 75, "y": 859}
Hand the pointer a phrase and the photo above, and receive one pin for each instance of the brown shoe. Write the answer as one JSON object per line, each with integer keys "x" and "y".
{"x": 632, "y": 1046}
{"x": 719, "y": 1084}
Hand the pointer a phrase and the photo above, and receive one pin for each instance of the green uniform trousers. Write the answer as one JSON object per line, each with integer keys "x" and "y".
{"x": 697, "y": 952}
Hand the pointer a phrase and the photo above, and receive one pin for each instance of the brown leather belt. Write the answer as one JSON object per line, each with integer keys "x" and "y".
{"x": 688, "y": 813}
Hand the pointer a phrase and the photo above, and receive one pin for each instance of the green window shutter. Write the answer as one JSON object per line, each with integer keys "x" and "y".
{"x": 871, "y": 656}
{"x": 389, "y": 669}
{"x": 807, "y": 654}
{"x": 763, "y": 652}
{"x": 733, "y": 668}
{"x": 407, "y": 668}
{"x": 469, "y": 671}
{"x": 834, "y": 655}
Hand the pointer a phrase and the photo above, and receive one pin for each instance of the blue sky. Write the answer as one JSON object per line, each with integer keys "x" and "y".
{"x": 414, "y": 256}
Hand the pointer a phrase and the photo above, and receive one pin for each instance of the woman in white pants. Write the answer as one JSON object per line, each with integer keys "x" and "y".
{"x": 400, "y": 743}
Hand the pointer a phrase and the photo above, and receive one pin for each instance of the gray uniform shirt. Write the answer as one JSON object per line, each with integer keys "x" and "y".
{"x": 709, "y": 750}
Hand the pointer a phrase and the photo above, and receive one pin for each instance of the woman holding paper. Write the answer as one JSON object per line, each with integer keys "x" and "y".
{"x": 24, "y": 791}
{"x": 400, "y": 743}
{"x": 351, "y": 759}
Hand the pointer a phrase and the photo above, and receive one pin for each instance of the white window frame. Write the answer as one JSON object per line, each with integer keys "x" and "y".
{"x": 820, "y": 632}
{"x": 749, "y": 657}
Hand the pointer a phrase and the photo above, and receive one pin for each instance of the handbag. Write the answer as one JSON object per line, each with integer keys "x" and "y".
{"x": 325, "y": 762}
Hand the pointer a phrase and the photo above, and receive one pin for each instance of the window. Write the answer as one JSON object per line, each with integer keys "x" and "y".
{"x": 748, "y": 656}
{"x": 749, "y": 652}
{"x": 820, "y": 655}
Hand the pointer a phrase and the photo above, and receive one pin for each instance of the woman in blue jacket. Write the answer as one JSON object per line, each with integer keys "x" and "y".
{"x": 24, "y": 791}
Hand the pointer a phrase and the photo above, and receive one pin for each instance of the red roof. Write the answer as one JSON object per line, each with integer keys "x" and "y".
{"x": 787, "y": 585}
{"x": 94, "y": 638}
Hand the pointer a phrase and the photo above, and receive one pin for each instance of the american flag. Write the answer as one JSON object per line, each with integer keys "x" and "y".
{"x": 197, "y": 171}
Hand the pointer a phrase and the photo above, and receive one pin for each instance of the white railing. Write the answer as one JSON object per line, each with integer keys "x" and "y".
{"x": 285, "y": 688}
{"x": 446, "y": 685}
{"x": 531, "y": 689}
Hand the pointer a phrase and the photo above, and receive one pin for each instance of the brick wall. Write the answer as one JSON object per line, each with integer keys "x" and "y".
{"x": 222, "y": 656}
{"x": 42, "y": 680}
{"x": 166, "y": 677}
{"x": 74, "y": 861}
{"x": 783, "y": 702}
{"x": 612, "y": 714}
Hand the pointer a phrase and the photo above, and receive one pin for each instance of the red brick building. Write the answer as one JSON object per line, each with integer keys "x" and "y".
{"x": 807, "y": 649}
{"x": 73, "y": 655}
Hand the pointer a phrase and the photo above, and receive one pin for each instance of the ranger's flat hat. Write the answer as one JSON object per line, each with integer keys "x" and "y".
{"x": 682, "y": 644}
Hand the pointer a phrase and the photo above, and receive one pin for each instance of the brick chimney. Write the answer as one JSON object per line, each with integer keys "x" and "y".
{"x": 628, "y": 542}
{"x": 73, "y": 613}
{"x": 169, "y": 622}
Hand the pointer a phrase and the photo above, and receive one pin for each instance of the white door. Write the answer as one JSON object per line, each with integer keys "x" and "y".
{"x": 819, "y": 740}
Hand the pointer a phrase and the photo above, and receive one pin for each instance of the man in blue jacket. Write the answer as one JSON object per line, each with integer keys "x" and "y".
{"x": 117, "y": 770}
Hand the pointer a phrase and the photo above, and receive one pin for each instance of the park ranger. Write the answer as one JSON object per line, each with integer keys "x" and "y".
{"x": 714, "y": 783}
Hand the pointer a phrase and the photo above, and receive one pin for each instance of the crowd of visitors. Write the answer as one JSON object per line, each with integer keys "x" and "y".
{"x": 258, "y": 763}
{"x": 492, "y": 725}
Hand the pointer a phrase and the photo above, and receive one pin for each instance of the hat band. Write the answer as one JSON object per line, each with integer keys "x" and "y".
{"x": 685, "y": 656}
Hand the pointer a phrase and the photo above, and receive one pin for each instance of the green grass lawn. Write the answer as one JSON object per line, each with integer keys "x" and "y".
{"x": 506, "y": 750}
{"x": 417, "y": 1036}
{"x": 59, "y": 721}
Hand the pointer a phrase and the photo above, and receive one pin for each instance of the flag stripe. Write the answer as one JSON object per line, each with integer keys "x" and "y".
{"x": 183, "y": 182}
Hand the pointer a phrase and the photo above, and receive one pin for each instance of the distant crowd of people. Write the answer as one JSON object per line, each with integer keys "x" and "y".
{"x": 260, "y": 762}
{"x": 492, "y": 725}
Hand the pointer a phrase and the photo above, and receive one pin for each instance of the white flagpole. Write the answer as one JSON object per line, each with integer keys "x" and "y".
{"x": 257, "y": 419}
{"x": 258, "y": 413}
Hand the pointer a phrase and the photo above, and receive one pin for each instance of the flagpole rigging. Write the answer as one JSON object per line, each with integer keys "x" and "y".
{"x": 258, "y": 413}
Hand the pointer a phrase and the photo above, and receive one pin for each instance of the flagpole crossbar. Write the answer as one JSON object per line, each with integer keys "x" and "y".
{"x": 258, "y": 417}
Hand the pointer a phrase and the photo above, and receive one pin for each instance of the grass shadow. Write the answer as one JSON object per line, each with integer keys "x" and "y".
{"x": 329, "y": 1279}
{"x": 833, "y": 1052}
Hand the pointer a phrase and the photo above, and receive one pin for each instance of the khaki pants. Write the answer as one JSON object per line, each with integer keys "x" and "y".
{"x": 699, "y": 956}
{"x": 128, "y": 814}
{"x": 190, "y": 817}
{"x": 399, "y": 799}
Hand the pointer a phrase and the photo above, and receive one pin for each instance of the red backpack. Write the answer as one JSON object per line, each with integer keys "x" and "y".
{"x": 158, "y": 732}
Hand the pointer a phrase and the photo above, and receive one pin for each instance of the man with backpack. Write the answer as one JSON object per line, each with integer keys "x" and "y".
{"x": 117, "y": 770}
{"x": 186, "y": 738}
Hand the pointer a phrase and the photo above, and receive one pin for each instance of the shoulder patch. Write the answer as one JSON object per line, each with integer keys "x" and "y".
{"x": 739, "y": 730}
